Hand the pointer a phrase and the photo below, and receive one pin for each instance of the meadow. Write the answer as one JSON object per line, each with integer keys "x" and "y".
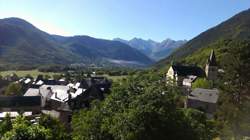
{"x": 23, "y": 73}
{"x": 35, "y": 73}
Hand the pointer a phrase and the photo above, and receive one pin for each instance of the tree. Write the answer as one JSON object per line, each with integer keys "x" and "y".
{"x": 141, "y": 108}
{"x": 28, "y": 76}
{"x": 87, "y": 125}
{"x": 47, "y": 77}
{"x": 23, "y": 130}
{"x": 202, "y": 83}
{"x": 58, "y": 129}
{"x": 67, "y": 76}
{"x": 13, "y": 89}
{"x": 57, "y": 76}
{"x": 5, "y": 125}
{"x": 234, "y": 113}
{"x": 39, "y": 77}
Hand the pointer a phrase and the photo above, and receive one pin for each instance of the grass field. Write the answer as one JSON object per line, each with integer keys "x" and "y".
{"x": 23, "y": 73}
{"x": 35, "y": 73}
{"x": 115, "y": 78}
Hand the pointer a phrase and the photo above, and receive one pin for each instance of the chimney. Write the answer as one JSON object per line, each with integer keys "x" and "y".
{"x": 69, "y": 95}
{"x": 69, "y": 99}
{"x": 56, "y": 96}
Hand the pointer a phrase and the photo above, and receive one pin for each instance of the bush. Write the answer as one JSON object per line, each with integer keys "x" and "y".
{"x": 14, "y": 89}
{"x": 202, "y": 83}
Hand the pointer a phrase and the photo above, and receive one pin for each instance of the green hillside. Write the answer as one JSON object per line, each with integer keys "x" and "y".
{"x": 22, "y": 44}
{"x": 198, "y": 49}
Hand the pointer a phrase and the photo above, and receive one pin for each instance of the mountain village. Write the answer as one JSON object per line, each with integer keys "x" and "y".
{"x": 59, "y": 98}
{"x": 124, "y": 70}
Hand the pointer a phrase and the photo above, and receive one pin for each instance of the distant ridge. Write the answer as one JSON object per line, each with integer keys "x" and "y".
{"x": 153, "y": 49}
{"x": 22, "y": 44}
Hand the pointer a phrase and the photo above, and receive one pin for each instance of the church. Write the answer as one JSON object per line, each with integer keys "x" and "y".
{"x": 184, "y": 75}
{"x": 211, "y": 67}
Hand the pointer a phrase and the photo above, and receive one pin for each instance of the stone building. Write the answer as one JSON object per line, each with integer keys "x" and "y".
{"x": 184, "y": 75}
{"x": 204, "y": 100}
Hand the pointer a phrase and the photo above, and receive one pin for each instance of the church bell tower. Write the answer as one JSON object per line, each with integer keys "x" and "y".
{"x": 211, "y": 67}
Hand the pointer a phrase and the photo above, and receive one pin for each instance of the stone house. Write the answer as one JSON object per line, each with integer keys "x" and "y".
{"x": 204, "y": 100}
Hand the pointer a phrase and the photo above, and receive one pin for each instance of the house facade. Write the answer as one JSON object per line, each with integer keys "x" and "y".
{"x": 177, "y": 73}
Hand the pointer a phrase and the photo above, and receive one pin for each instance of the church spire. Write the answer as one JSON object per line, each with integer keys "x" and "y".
{"x": 212, "y": 59}
{"x": 211, "y": 67}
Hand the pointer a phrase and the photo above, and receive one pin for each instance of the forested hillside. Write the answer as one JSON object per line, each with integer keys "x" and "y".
{"x": 236, "y": 28}
{"x": 22, "y": 44}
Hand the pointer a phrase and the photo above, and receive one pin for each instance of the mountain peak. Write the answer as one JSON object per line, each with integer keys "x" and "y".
{"x": 15, "y": 21}
{"x": 155, "y": 50}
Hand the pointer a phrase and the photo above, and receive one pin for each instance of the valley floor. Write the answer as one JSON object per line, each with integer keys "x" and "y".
{"x": 35, "y": 73}
{"x": 23, "y": 73}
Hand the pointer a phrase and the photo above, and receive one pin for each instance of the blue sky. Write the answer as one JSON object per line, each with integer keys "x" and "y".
{"x": 154, "y": 19}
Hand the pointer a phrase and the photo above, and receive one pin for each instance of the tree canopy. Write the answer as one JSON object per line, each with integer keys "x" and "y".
{"x": 21, "y": 129}
{"x": 141, "y": 108}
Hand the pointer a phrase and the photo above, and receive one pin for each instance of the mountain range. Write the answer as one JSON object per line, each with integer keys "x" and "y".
{"x": 153, "y": 49}
{"x": 219, "y": 38}
{"x": 22, "y": 44}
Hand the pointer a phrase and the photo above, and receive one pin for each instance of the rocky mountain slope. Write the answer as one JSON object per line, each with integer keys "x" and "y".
{"x": 153, "y": 49}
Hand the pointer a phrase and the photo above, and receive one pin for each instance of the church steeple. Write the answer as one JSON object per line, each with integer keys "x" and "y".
{"x": 211, "y": 67}
{"x": 212, "y": 59}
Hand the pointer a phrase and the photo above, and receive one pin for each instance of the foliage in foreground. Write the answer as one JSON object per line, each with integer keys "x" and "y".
{"x": 202, "y": 83}
{"x": 234, "y": 104}
{"x": 13, "y": 89}
{"x": 141, "y": 108}
{"x": 21, "y": 129}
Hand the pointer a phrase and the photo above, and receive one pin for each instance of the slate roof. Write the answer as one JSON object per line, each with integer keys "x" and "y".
{"x": 79, "y": 91}
{"x": 50, "y": 82}
{"x": 183, "y": 70}
{"x": 93, "y": 92}
{"x": 204, "y": 95}
{"x": 45, "y": 91}
{"x": 40, "y": 82}
{"x": 84, "y": 84}
{"x": 28, "y": 80}
{"x": 32, "y": 92}
{"x": 190, "y": 79}
{"x": 19, "y": 101}
{"x": 60, "y": 93}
